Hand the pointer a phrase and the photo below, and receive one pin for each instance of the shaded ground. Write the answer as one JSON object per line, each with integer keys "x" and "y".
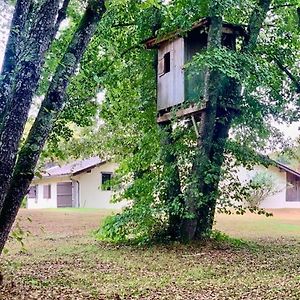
{"x": 63, "y": 261}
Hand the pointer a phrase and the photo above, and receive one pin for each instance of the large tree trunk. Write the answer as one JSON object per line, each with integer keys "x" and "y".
{"x": 28, "y": 70}
{"x": 228, "y": 109}
{"x": 222, "y": 105}
{"x": 51, "y": 106}
{"x": 201, "y": 162}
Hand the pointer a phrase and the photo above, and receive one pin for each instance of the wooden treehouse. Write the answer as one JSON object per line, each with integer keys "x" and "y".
{"x": 179, "y": 88}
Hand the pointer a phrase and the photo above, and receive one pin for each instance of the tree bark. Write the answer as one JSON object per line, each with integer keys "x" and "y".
{"x": 62, "y": 14}
{"x": 228, "y": 109}
{"x": 27, "y": 70}
{"x": 172, "y": 193}
{"x": 51, "y": 107}
{"x": 18, "y": 22}
{"x": 201, "y": 164}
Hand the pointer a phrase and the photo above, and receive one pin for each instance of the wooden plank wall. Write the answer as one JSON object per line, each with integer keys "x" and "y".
{"x": 171, "y": 85}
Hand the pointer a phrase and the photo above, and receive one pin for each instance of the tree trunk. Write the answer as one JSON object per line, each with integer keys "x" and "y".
{"x": 173, "y": 195}
{"x": 215, "y": 125}
{"x": 201, "y": 163}
{"x": 228, "y": 109}
{"x": 18, "y": 22}
{"x": 51, "y": 106}
{"x": 27, "y": 70}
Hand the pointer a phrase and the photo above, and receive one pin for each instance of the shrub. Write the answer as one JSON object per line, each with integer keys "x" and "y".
{"x": 260, "y": 187}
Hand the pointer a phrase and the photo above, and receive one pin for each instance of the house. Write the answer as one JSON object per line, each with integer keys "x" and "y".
{"x": 82, "y": 184}
{"x": 286, "y": 182}
{"x": 78, "y": 184}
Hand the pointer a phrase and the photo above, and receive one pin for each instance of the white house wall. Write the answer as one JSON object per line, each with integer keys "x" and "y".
{"x": 91, "y": 194}
{"x": 41, "y": 202}
{"x": 277, "y": 200}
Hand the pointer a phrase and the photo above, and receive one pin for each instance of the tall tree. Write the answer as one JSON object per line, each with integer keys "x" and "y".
{"x": 251, "y": 90}
{"x": 38, "y": 24}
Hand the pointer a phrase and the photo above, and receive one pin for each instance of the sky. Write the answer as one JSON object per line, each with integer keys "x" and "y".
{"x": 5, "y": 17}
{"x": 291, "y": 131}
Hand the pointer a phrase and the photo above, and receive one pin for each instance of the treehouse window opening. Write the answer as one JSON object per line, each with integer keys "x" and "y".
{"x": 105, "y": 181}
{"x": 167, "y": 63}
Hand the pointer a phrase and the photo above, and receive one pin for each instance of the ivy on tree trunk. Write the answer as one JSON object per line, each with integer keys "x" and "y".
{"x": 194, "y": 194}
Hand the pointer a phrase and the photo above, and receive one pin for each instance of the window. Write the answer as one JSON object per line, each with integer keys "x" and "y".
{"x": 292, "y": 188}
{"x": 167, "y": 62}
{"x": 164, "y": 64}
{"x": 47, "y": 191}
{"x": 32, "y": 192}
{"x": 105, "y": 178}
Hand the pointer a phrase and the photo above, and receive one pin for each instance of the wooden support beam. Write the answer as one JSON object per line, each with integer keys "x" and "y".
{"x": 181, "y": 113}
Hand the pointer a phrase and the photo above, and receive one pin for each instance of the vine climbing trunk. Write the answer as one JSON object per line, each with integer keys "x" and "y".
{"x": 228, "y": 107}
{"x": 51, "y": 106}
{"x": 194, "y": 196}
{"x": 223, "y": 98}
{"x": 172, "y": 195}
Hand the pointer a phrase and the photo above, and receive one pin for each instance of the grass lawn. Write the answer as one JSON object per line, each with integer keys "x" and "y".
{"x": 63, "y": 261}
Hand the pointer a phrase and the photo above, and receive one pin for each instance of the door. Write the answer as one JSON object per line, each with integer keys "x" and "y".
{"x": 293, "y": 188}
{"x": 64, "y": 194}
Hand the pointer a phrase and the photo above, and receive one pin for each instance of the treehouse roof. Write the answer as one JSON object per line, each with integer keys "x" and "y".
{"x": 154, "y": 42}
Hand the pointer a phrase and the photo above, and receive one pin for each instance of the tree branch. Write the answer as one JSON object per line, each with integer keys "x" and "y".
{"x": 292, "y": 77}
{"x": 123, "y": 24}
{"x": 255, "y": 24}
{"x": 62, "y": 14}
{"x": 282, "y": 5}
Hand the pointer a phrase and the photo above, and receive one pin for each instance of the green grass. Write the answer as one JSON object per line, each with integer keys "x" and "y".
{"x": 76, "y": 266}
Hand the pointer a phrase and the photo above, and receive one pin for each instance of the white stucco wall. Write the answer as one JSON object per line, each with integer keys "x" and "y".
{"x": 41, "y": 202}
{"x": 277, "y": 200}
{"x": 90, "y": 193}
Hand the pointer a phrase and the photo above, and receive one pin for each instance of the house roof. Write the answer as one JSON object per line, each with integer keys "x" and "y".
{"x": 73, "y": 168}
{"x": 80, "y": 166}
{"x": 287, "y": 169}
{"x": 227, "y": 28}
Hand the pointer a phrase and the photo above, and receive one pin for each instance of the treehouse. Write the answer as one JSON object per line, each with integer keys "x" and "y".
{"x": 177, "y": 86}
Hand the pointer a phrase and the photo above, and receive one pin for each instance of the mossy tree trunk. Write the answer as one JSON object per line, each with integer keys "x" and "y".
{"x": 21, "y": 12}
{"x": 223, "y": 97}
{"x": 26, "y": 73}
{"x": 201, "y": 164}
{"x": 228, "y": 108}
{"x": 23, "y": 169}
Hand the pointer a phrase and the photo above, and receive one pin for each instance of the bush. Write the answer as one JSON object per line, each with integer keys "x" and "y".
{"x": 260, "y": 187}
